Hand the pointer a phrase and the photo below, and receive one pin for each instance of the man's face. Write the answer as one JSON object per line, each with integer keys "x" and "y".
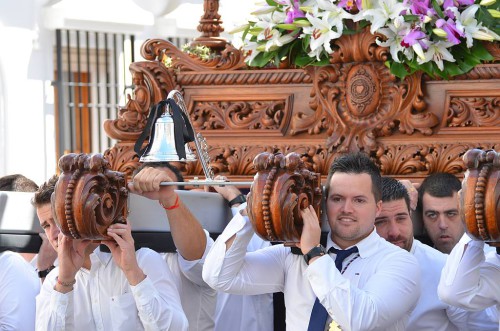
{"x": 351, "y": 208}
{"x": 394, "y": 224}
{"x": 48, "y": 224}
{"x": 442, "y": 221}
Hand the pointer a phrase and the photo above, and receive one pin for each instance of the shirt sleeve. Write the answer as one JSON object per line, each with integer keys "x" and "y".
{"x": 192, "y": 270}
{"x": 238, "y": 272}
{"x": 372, "y": 306}
{"x": 19, "y": 286}
{"x": 157, "y": 297}
{"x": 469, "y": 280}
{"x": 54, "y": 310}
{"x": 473, "y": 320}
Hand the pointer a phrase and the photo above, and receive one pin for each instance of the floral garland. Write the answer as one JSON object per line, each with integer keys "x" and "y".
{"x": 440, "y": 37}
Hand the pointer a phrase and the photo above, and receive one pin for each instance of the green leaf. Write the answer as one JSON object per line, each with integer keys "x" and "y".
{"x": 411, "y": 18}
{"x": 452, "y": 69}
{"x": 262, "y": 59}
{"x": 398, "y": 70}
{"x": 437, "y": 8}
{"x": 272, "y": 3}
{"x": 481, "y": 52}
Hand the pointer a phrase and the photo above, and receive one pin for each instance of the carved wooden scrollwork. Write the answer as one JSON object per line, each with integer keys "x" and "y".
{"x": 88, "y": 197}
{"x": 480, "y": 196}
{"x": 281, "y": 188}
{"x": 155, "y": 49}
{"x": 474, "y": 111}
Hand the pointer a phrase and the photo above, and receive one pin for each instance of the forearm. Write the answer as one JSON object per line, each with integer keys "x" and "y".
{"x": 187, "y": 233}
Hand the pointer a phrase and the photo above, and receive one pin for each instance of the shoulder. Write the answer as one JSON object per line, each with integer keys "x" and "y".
{"x": 425, "y": 253}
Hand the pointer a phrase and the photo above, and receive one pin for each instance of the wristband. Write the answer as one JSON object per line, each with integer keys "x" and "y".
{"x": 44, "y": 273}
{"x": 174, "y": 206}
{"x": 65, "y": 284}
{"x": 239, "y": 199}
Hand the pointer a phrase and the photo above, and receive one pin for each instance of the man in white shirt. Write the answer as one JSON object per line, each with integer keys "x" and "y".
{"x": 19, "y": 286}
{"x": 374, "y": 288}
{"x": 395, "y": 225}
{"x": 191, "y": 241}
{"x": 438, "y": 207}
{"x": 93, "y": 290}
{"x": 243, "y": 312}
{"x": 470, "y": 278}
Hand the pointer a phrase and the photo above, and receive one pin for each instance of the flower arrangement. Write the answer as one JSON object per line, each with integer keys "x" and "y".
{"x": 440, "y": 37}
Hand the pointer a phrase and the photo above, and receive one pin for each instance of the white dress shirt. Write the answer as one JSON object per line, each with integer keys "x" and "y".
{"x": 377, "y": 291}
{"x": 103, "y": 299}
{"x": 19, "y": 285}
{"x": 245, "y": 312}
{"x": 197, "y": 298}
{"x": 433, "y": 314}
{"x": 470, "y": 279}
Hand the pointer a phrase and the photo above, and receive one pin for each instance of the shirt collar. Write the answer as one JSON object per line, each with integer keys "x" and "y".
{"x": 366, "y": 247}
{"x": 100, "y": 257}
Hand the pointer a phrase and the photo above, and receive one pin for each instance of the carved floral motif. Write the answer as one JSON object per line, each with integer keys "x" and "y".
{"x": 473, "y": 111}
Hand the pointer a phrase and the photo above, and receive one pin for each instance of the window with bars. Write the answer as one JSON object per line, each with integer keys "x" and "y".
{"x": 91, "y": 73}
{"x": 91, "y": 77}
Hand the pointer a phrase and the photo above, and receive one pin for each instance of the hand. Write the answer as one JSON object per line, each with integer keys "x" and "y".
{"x": 71, "y": 254}
{"x": 311, "y": 231}
{"x": 147, "y": 183}
{"x": 228, "y": 192}
{"x": 46, "y": 254}
{"x": 412, "y": 192}
{"x": 123, "y": 250}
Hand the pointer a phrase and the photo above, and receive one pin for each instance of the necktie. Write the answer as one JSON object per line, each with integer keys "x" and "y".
{"x": 319, "y": 315}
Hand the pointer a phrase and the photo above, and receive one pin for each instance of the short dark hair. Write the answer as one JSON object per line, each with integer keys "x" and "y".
{"x": 178, "y": 174}
{"x": 438, "y": 185}
{"x": 356, "y": 163}
{"x": 44, "y": 192}
{"x": 17, "y": 183}
{"x": 393, "y": 189}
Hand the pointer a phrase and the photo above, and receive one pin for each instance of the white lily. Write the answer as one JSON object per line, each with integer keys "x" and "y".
{"x": 383, "y": 11}
{"x": 472, "y": 28}
{"x": 321, "y": 34}
{"x": 437, "y": 52}
{"x": 394, "y": 37}
{"x": 252, "y": 48}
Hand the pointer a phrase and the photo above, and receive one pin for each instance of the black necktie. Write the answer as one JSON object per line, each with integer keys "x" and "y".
{"x": 319, "y": 314}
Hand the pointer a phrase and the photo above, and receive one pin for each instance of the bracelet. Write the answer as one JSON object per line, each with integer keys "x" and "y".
{"x": 65, "y": 284}
{"x": 239, "y": 199}
{"x": 175, "y": 205}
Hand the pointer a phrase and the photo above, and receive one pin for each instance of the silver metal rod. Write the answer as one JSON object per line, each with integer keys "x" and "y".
{"x": 205, "y": 182}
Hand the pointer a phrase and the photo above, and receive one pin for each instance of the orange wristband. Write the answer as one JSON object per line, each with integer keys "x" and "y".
{"x": 174, "y": 206}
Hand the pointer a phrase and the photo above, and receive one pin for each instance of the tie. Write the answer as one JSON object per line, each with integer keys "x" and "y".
{"x": 319, "y": 315}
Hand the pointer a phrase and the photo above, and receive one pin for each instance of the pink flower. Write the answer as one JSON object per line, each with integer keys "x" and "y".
{"x": 422, "y": 7}
{"x": 293, "y": 11}
{"x": 349, "y": 4}
{"x": 457, "y": 3}
{"x": 413, "y": 37}
{"x": 449, "y": 26}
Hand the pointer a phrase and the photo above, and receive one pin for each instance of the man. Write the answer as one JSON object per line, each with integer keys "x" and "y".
{"x": 19, "y": 284}
{"x": 470, "y": 277}
{"x": 190, "y": 239}
{"x": 371, "y": 285}
{"x": 394, "y": 224}
{"x": 124, "y": 290}
{"x": 198, "y": 299}
{"x": 438, "y": 206}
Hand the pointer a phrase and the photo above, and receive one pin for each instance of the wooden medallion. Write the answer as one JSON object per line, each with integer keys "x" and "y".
{"x": 281, "y": 187}
{"x": 480, "y": 196}
{"x": 88, "y": 197}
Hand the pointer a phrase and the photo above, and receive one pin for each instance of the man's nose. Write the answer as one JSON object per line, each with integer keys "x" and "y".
{"x": 393, "y": 230}
{"x": 347, "y": 207}
{"x": 442, "y": 223}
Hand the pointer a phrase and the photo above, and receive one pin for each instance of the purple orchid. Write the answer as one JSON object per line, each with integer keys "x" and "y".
{"x": 452, "y": 33}
{"x": 349, "y": 4}
{"x": 293, "y": 11}
{"x": 457, "y": 3}
{"x": 421, "y": 7}
{"x": 413, "y": 37}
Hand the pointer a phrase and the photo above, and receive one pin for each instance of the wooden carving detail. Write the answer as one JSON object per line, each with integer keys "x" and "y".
{"x": 474, "y": 111}
{"x": 88, "y": 197}
{"x": 123, "y": 158}
{"x": 281, "y": 188}
{"x": 239, "y": 115}
{"x": 156, "y": 49}
{"x": 480, "y": 196}
{"x": 356, "y": 103}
